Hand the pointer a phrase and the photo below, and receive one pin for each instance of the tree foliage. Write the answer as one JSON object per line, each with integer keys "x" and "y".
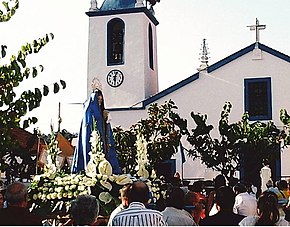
{"x": 14, "y": 107}
{"x": 162, "y": 130}
{"x": 224, "y": 154}
{"x": 9, "y": 10}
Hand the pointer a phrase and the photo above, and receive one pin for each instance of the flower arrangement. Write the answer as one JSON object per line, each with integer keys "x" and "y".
{"x": 52, "y": 191}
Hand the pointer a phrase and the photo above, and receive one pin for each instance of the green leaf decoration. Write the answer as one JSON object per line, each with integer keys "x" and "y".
{"x": 3, "y": 51}
{"x": 38, "y": 93}
{"x": 34, "y": 72}
{"x": 25, "y": 124}
{"x": 26, "y": 73}
{"x": 63, "y": 84}
{"x": 55, "y": 87}
{"x": 34, "y": 120}
{"x": 45, "y": 90}
{"x": 52, "y": 36}
{"x": 6, "y": 5}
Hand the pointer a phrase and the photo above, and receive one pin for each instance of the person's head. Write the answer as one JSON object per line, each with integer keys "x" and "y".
{"x": 240, "y": 188}
{"x": 233, "y": 181}
{"x": 16, "y": 195}
{"x": 269, "y": 184}
{"x": 100, "y": 99}
{"x": 219, "y": 181}
{"x": 191, "y": 198}
{"x": 138, "y": 191}
{"x": 175, "y": 198}
{"x": 123, "y": 195}
{"x": 283, "y": 185}
{"x": 197, "y": 186}
{"x": 267, "y": 208}
{"x": 225, "y": 198}
{"x": 84, "y": 210}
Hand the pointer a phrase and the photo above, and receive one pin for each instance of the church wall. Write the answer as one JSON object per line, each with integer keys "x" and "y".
{"x": 208, "y": 94}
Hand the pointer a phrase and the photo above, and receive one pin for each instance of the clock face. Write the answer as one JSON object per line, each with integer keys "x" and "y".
{"x": 115, "y": 78}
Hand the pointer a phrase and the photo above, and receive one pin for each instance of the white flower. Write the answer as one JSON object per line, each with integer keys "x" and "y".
{"x": 72, "y": 187}
{"x": 105, "y": 177}
{"x": 69, "y": 195}
{"x": 94, "y": 137}
{"x": 153, "y": 174}
{"x": 89, "y": 182}
{"x": 105, "y": 197}
{"x": 112, "y": 178}
{"x": 105, "y": 168}
{"x": 54, "y": 195}
{"x": 59, "y": 195}
{"x": 142, "y": 172}
{"x": 142, "y": 159}
{"x": 91, "y": 170}
{"x": 81, "y": 188}
{"x": 35, "y": 197}
{"x": 36, "y": 178}
{"x": 59, "y": 189}
{"x": 106, "y": 185}
{"x": 43, "y": 197}
{"x": 123, "y": 179}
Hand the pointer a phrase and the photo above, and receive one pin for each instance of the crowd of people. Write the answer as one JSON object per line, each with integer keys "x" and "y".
{"x": 222, "y": 205}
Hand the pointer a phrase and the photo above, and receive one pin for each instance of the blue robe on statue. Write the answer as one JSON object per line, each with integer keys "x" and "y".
{"x": 81, "y": 154}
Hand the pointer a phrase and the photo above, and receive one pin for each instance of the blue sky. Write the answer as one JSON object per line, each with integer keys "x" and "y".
{"x": 183, "y": 25}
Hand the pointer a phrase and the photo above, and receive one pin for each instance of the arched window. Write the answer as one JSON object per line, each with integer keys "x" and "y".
{"x": 150, "y": 41}
{"x": 115, "y": 42}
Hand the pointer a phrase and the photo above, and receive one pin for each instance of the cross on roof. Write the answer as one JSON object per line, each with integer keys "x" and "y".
{"x": 257, "y": 27}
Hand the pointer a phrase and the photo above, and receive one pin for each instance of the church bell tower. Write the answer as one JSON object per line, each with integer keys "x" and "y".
{"x": 122, "y": 51}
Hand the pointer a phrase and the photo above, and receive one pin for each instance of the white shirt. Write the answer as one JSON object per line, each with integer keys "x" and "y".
{"x": 177, "y": 217}
{"x": 138, "y": 215}
{"x": 245, "y": 204}
{"x": 115, "y": 212}
{"x": 251, "y": 221}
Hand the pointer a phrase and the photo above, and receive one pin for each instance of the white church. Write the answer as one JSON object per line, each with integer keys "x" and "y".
{"x": 123, "y": 56}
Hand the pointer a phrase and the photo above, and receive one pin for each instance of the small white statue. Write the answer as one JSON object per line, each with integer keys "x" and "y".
{"x": 94, "y": 5}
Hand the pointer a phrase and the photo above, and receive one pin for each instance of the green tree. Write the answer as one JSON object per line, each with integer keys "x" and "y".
{"x": 13, "y": 107}
{"x": 10, "y": 9}
{"x": 162, "y": 130}
{"x": 236, "y": 140}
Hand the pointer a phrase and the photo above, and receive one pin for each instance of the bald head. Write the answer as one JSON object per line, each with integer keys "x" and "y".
{"x": 138, "y": 192}
{"x": 16, "y": 194}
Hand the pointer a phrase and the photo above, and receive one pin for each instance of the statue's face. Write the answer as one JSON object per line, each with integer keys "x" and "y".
{"x": 100, "y": 99}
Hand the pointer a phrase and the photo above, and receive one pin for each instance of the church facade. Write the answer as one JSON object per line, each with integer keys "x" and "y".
{"x": 254, "y": 79}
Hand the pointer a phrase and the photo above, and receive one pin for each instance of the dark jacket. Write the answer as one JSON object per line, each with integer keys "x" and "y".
{"x": 222, "y": 218}
{"x": 18, "y": 216}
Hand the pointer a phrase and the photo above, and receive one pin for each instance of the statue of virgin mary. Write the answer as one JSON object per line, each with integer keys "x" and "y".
{"x": 94, "y": 111}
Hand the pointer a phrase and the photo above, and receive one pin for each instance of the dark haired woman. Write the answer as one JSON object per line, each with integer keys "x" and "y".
{"x": 268, "y": 212}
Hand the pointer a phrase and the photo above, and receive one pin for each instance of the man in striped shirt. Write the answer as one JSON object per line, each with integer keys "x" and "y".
{"x": 137, "y": 214}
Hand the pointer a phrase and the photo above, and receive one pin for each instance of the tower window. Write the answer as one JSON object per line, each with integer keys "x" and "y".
{"x": 115, "y": 42}
{"x": 258, "y": 101}
{"x": 150, "y": 41}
